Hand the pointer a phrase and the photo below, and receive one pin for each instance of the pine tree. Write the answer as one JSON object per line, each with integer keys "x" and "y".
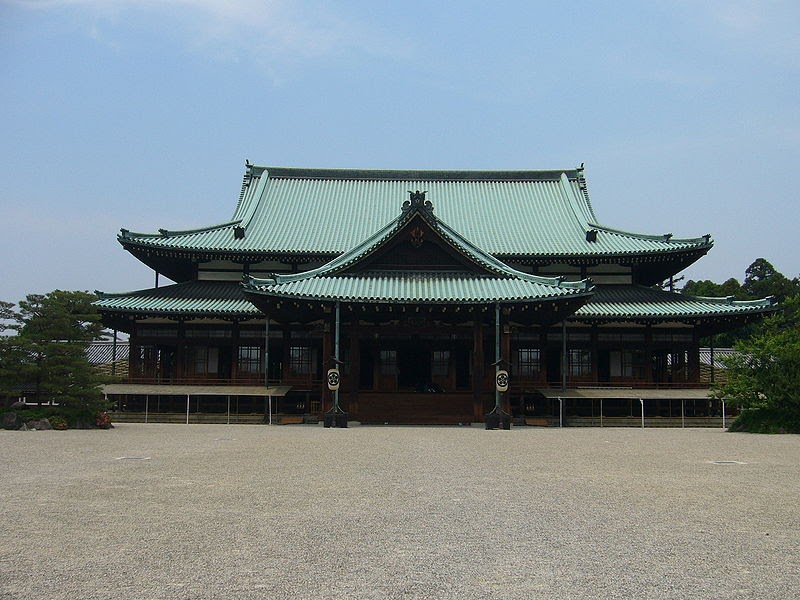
{"x": 47, "y": 356}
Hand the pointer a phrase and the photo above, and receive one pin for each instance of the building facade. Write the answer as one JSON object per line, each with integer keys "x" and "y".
{"x": 419, "y": 286}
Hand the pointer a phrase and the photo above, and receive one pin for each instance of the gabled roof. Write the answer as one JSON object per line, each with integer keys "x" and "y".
{"x": 325, "y": 212}
{"x": 481, "y": 279}
{"x": 639, "y": 303}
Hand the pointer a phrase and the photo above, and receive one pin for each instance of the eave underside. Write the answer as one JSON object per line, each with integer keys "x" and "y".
{"x": 180, "y": 265}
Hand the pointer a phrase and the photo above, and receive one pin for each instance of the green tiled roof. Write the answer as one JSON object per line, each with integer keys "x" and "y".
{"x": 197, "y": 298}
{"x": 624, "y": 302}
{"x": 325, "y": 212}
{"x": 490, "y": 280}
{"x": 412, "y": 288}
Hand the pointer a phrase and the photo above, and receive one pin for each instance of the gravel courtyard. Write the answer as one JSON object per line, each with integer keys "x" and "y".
{"x": 244, "y": 511}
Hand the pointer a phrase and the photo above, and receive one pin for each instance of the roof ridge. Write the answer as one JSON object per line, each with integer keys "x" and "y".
{"x": 731, "y": 300}
{"x": 418, "y": 174}
{"x": 572, "y": 201}
{"x": 584, "y": 187}
{"x": 665, "y": 237}
{"x": 128, "y": 234}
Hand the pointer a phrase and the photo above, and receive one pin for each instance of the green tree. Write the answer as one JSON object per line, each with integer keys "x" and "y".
{"x": 6, "y": 314}
{"x": 761, "y": 280}
{"x": 708, "y": 288}
{"x": 763, "y": 377}
{"x": 48, "y": 353}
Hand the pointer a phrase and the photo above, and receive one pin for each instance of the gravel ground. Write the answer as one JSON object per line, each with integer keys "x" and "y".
{"x": 243, "y": 511}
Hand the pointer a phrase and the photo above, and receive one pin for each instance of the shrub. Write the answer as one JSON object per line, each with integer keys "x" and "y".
{"x": 58, "y": 422}
{"x": 103, "y": 420}
{"x": 766, "y": 420}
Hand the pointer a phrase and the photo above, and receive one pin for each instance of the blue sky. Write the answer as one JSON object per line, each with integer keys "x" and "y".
{"x": 140, "y": 114}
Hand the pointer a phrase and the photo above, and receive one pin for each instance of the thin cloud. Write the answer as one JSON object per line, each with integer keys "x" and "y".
{"x": 767, "y": 28}
{"x": 269, "y": 33}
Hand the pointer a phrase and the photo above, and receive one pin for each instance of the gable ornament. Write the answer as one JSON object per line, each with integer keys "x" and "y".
{"x": 417, "y": 237}
{"x": 417, "y": 201}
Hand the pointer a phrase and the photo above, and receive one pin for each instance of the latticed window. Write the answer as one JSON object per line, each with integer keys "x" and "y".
{"x": 580, "y": 362}
{"x": 149, "y": 361}
{"x": 626, "y": 363}
{"x": 528, "y": 361}
{"x": 250, "y": 359}
{"x": 202, "y": 360}
{"x": 440, "y": 363}
{"x": 300, "y": 360}
{"x": 388, "y": 360}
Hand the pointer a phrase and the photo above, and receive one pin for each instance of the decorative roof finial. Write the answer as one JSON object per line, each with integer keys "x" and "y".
{"x": 417, "y": 200}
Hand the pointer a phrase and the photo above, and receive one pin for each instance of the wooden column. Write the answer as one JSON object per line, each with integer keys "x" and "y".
{"x": 505, "y": 354}
{"x": 694, "y": 358}
{"x": 648, "y": 353}
{"x": 235, "y": 352}
{"x": 287, "y": 342}
{"x": 477, "y": 370}
{"x": 180, "y": 351}
{"x": 594, "y": 343}
{"x": 542, "y": 356}
{"x": 327, "y": 351}
{"x": 134, "y": 358}
{"x": 354, "y": 372}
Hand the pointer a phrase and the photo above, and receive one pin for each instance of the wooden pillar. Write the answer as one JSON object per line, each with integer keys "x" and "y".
{"x": 354, "y": 372}
{"x": 180, "y": 352}
{"x": 234, "y": 352}
{"x": 134, "y": 358}
{"x": 477, "y": 370}
{"x": 564, "y": 356}
{"x": 505, "y": 354}
{"x": 594, "y": 344}
{"x": 287, "y": 342}
{"x": 327, "y": 363}
{"x": 648, "y": 354}
{"x": 542, "y": 356}
{"x": 694, "y": 358}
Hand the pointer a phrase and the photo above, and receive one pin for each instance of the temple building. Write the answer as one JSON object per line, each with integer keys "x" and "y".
{"x": 426, "y": 293}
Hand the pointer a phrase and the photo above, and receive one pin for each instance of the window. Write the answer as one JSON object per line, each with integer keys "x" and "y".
{"x": 528, "y": 361}
{"x": 388, "y": 360}
{"x": 149, "y": 361}
{"x": 250, "y": 359}
{"x": 672, "y": 337}
{"x": 580, "y": 363}
{"x": 202, "y": 360}
{"x": 300, "y": 360}
{"x": 627, "y": 363}
{"x": 169, "y": 332}
{"x": 440, "y": 363}
{"x": 621, "y": 337}
{"x": 202, "y": 332}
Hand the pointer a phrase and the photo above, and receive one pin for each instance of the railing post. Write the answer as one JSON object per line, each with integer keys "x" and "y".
{"x": 723, "y": 413}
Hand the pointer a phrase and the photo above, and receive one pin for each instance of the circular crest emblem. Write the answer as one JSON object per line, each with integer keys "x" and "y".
{"x": 501, "y": 381}
{"x": 333, "y": 379}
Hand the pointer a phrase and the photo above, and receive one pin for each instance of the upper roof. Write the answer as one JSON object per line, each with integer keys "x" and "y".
{"x": 325, "y": 212}
{"x": 369, "y": 273}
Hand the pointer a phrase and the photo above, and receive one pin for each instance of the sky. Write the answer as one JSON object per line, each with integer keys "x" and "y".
{"x": 141, "y": 113}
